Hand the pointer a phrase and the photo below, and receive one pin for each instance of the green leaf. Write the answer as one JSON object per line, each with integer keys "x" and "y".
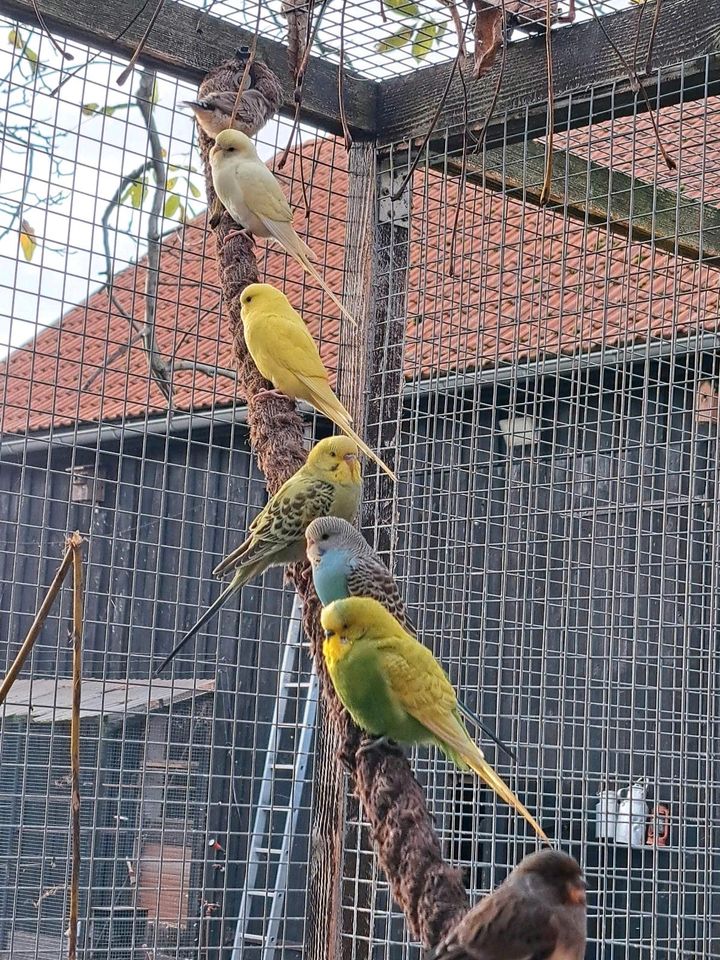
{"x": 194, "y": 191}
{"x": 155, "y": 92}
{"x": 33, "y": 58}
{"x": 424, "y": 39}
{"x": 90, "y": 108}
{"x": 170, "y": 185}
{"x": 172, "y": 205}
{"x": 404, "y": 7}
{"x": 397, "y": 40}
{"x": 15, "y": 39}
{"x": 137, "y": 194}
{"x": 28, "y": 244}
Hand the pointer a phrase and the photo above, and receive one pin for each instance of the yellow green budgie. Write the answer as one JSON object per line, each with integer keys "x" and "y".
{"x": 328, "y": 483}
{"x": 285, "y": 353}
{"x": 394, "y": 688}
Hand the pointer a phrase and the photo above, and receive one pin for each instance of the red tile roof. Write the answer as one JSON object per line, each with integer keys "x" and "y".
{"x": 528, "y": 283}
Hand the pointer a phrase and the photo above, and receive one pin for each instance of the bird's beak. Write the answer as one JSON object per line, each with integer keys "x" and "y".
{"x": 310, "y": 542}
{"x": 350, "y": 457}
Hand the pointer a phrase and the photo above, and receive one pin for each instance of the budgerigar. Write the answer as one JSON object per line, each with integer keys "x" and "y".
{"x": 329, "y": 482}
{"x": 394, "y": 688}
{"x": 345, "y": 565}
{"x": 286, "y": 354}
{"x": 252, "y": 196}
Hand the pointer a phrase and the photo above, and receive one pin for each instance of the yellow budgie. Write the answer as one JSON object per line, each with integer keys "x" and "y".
{"x": 253, "y": 198}
{"x": 395, "y": 689}
{"x": 286, "y": 354}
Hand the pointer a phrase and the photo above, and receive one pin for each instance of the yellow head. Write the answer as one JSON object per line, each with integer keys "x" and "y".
{"x": 230, "y": 144}
{"x": 347, "y": 621}
{"x": 258, "y": 298}
{"x": 336, "y": 458}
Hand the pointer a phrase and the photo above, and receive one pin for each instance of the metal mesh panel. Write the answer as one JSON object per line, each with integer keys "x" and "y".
{"x": 551, "y": 388}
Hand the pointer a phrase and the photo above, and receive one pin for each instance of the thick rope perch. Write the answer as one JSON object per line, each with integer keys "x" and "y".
{"x": 429, "y": 891}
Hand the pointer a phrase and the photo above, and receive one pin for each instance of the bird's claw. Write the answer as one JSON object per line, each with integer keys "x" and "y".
{"x": 264, "y": 394}
{"x": 232, "y": 234}
{"x": 370, "y": 743}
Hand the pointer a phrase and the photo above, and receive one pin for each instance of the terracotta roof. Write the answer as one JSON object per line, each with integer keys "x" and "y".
{"x": 528, "y": 282}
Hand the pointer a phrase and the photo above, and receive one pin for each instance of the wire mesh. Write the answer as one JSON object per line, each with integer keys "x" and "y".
{"x": 556, "y": 409}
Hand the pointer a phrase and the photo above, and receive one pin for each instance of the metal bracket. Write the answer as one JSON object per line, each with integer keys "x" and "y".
{"x": 390, "y": 179}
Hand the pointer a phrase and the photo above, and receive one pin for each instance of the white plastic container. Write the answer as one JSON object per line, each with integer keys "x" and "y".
{"x": 606, "y": 815}
{"x": 632, "y": 815}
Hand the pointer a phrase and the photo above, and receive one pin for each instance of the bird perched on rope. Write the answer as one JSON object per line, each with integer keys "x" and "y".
{"x": 539, "y": 911}
{"x": 345, "y": 565}
{"x": 214, "y": 112}
{"x": 285, "y": 353}
{"x": 253, "y": 198}
{"x": 329, "y": 482}
{"x": 394, "y": 689}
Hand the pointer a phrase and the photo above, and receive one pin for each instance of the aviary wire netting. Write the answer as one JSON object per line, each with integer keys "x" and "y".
{"x": 550, "y": 389}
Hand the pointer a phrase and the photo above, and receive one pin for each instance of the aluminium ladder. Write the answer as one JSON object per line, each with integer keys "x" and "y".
{"x": 262, "y": 903}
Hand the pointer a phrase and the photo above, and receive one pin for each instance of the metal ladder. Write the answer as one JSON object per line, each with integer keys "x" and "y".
{"x": 262, "y": 904}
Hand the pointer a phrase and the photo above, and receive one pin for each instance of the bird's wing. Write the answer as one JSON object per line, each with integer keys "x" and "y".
{"x": 513, "y": 923}
{"x": 267, "y": 201}
{"x": 299, "y": 353}
{"x": 291, "y": 510}
{"x": 282, "y": 521}
{"x": 418, "y": 681}
{"x": 369, "y": 577}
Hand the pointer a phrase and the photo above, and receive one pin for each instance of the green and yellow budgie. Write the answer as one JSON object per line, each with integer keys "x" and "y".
{"x": 394, "y": 688}
{"x": 328, "y": 483}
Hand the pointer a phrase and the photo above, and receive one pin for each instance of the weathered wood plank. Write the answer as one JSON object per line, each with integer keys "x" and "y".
{"x": 186, "y": 43}
{"x": 582, "y": 59}
{"x": 588, "y": 191}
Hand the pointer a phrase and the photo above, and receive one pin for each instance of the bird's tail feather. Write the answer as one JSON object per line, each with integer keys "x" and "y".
{"x": 232, "y": 559}
{"x": 214, "y": 608}
{"x": 475, "y": 760}
{"x": 286, "y": 235}
{"x": 474, "y": 719}
{"x": 315, "y": 274}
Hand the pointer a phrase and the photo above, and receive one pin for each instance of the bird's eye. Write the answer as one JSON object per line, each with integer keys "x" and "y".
{"x": 248, "y": 299}
{"x": 230, "y": 149}
{"x": 324, "y": 536}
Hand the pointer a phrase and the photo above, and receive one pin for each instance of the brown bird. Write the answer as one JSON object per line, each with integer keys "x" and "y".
{"x": 215, "y": 111}
{"x": 538, "y": 913}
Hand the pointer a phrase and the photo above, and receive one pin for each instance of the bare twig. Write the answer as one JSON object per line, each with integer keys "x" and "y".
{"x": 436, "y": 116}
{"x": 143, "y": 40}
{"x": 458, "y": 24}
{"x": 347, "y": 137}
{"x": 636, "y": 84}
{"x": 197, "y": 367}
{"x": 160, "y": 369}
{"x": 56, "y": 46}
{"x": 299, "y": 90}
{"x": 498, "y": 85}
{"x": 75, "y": 544}
{"x": 36, "y": 625}
{"x": 248, "y": 65}
{"x": 118, "y": 352}
{"x": 637, "y": 35}
{"x": 550, "y": 117}
{"x": 653, "y": 31}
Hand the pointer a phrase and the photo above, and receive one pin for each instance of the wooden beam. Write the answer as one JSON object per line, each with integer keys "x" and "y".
{"x": 186, "y": 43}
{"x": 589, "y": 79}
{"x": 587, "y": 191}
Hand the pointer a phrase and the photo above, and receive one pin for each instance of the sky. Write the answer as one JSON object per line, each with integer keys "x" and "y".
{"x": 76, "y": 146}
